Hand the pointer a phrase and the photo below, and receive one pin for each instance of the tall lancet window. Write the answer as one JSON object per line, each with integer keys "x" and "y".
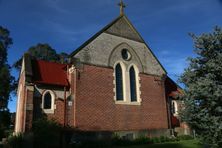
{"x": 133, "y": 94}
{"x": 119, "y": 83}
{"x": 48, "y": 100}
{"x": 47, "y": 104}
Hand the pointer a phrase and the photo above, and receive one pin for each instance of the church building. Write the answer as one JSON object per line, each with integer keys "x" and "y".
{"x": 113, "y": 82}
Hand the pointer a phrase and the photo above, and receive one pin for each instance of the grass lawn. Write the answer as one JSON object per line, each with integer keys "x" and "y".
{"x": 180, "y": 144}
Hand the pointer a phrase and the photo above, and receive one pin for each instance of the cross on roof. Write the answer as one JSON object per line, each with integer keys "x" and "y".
{"x": 122, "y": 6}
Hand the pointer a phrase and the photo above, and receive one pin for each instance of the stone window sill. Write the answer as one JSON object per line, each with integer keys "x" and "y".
{"x": 127, "y": 103}
{"x": 48, "y": 111}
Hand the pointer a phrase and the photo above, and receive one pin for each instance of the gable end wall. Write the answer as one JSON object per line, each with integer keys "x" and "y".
{"x": 100, "y": 49}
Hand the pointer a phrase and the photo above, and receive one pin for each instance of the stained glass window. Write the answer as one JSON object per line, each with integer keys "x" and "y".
{"x": 47, "y": 101}
{"x": 133, "y": 85}
{"x": 119, "y": 83}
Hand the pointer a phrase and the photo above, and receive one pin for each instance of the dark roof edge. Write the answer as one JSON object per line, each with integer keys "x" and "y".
{"x": 27, "y": 64}
{"x": 105, "y": 28}
{"x": 28, "y": 67}
{"x": 95, "y": 36}
{"x": 146, "y": 44}
{"x": 175, "y": 83}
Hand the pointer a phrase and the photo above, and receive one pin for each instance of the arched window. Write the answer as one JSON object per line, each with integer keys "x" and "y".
{"x": 133, "y": 86}
{"x": 47, "y": 102}
{"x": 119, "y": 82}
{"x": 48, "y": 99}
{"x": 174, "y": 107}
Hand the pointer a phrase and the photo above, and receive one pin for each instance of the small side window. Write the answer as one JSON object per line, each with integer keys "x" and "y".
{"x": 48, "y": 99}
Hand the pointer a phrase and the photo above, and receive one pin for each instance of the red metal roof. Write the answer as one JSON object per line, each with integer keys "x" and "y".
{"x": 49, "y": 73}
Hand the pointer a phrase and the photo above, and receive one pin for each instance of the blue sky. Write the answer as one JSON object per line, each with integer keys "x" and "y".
{"x": 66, "y": 24}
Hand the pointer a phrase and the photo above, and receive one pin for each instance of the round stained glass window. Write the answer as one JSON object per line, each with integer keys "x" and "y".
{"x": 125, "y": 54}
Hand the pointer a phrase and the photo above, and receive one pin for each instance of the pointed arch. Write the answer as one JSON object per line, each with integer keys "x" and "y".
{"x": 133, "y": 85}
{"x": 48, "y": 100}
{"x": 119, "y": 82}
{"x": 174, "y": 107}
{"x": 116, "y": 55}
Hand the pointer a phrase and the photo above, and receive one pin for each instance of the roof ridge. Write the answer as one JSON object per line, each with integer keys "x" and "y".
{"x": 95, "y": 35}
{"x": 109, "y": 25}
{"x": 50, "y": 62}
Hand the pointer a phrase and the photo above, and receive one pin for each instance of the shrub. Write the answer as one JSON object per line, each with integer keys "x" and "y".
{"x": 143, "y": 140}
{"x": 16, "y": 141}
{"x": 185, "y": 137}
{"x": 47, "y": 133}
{"x": 2, "y": 133}
{"x": 156, "y": 140}
{"x": 121, "y": 142}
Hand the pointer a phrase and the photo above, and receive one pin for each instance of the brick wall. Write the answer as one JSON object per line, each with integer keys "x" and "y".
{"x": 96, "y": 109}
{"x": 29, "y": 109}
{"x": 58, "y": 114}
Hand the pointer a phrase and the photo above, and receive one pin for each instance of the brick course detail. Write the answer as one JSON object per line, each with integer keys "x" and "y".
{"x": 96, "y": 108}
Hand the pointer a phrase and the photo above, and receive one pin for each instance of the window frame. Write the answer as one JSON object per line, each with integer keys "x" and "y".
{"x": 126, "y": 85}
{"x": 174, "y": 107}
{"x": 137, "y": 81}
{"x": 51, "y": 110}
{"x": 121, "y": 84}
{"x": 123, "y": 81}
{"x": 133, "y": 87}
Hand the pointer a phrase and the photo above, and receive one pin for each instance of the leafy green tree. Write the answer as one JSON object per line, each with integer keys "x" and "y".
{"x": 43, "y": 52}
{"x": 203, "y": 88}
{"x": 6, "y": 80}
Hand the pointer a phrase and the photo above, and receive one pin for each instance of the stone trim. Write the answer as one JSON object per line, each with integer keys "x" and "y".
{"x": 53, "y": 106}
{"x": 126, "y": 85}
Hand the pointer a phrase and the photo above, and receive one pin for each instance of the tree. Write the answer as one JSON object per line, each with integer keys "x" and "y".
{"x": 203, "y": 88}
{"x": 6, "y": 80}
{"x": 43, "y": 52}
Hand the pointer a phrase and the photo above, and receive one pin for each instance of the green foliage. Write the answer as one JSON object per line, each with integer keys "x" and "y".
{"x": 5, "y": 42}
{"x": 185, "y": 137}
{"x": 5, "y": 121}
{"x": 16, "y": 141}
{"x": 47, "y": 133}
{"x": 203, "y": 88}
{"x": 6, "y": 80}
{"x": 117, "y": 141}
{"x": 6, "y": 86}
{"x": 43, "y": 52}
{"x": 143, "y": 140}
{"x": 180, "y": 144}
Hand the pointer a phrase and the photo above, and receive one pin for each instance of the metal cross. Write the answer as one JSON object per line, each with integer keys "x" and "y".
{"x": 122, "y": 6}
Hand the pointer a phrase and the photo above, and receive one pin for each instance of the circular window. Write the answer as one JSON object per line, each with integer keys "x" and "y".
{"x": 125, "y": 54}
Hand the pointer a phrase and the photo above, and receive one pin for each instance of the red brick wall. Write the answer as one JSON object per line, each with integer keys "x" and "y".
{"x": 29, "y": 110}
{"x": 59, "y": 111}
{"x": 58, "y": 114}
{"x": 96, "y": 109}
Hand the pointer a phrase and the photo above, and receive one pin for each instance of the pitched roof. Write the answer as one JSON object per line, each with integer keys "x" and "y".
{"x": 172, "y": 89}
{"x": 106, "y": 29}
{"x": 49, "y": 73}
{"x": 94, "y": 36}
